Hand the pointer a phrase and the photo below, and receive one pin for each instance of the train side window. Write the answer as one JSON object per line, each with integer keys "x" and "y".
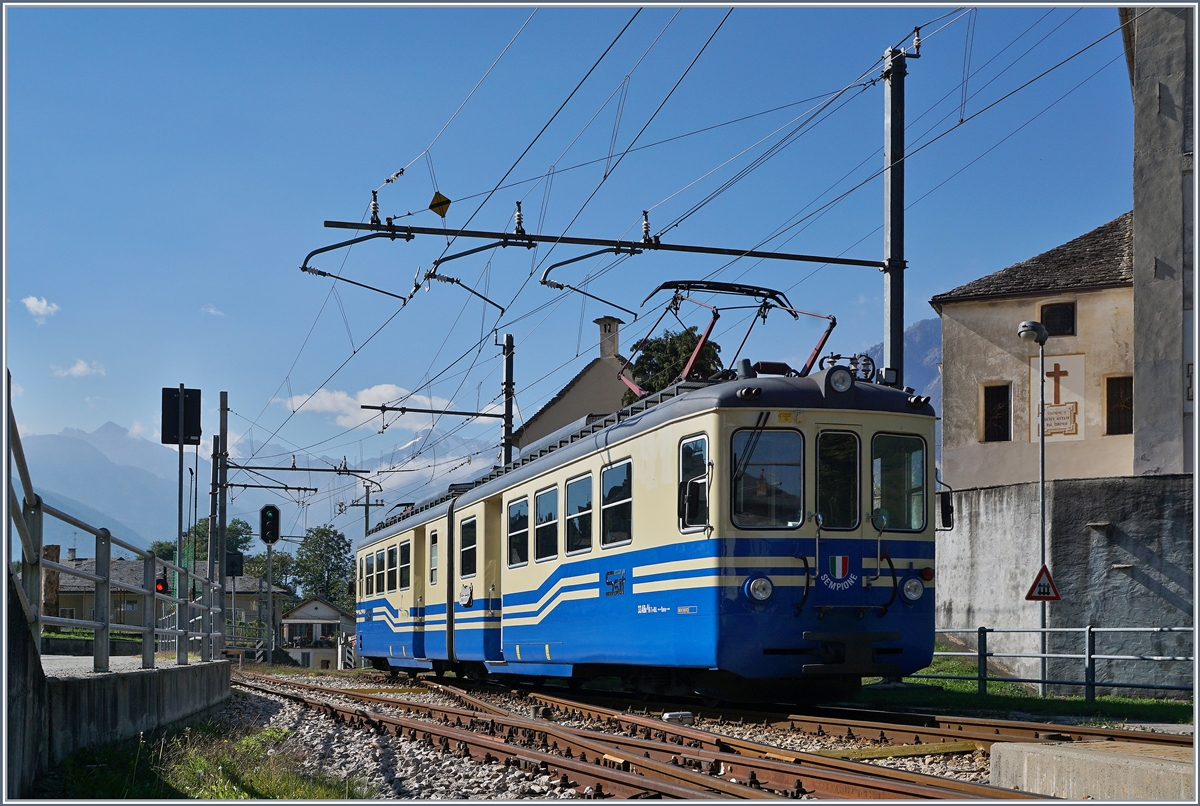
{"x": 545, "y": 540}
{"x": 579, "y": 515}
{"x": 405, "y": 565}
{"x": 768, "y": 479}
{"x": 370, "y": 576}
{"x": 616, "y": 504}
{"x": 391, "y": 569}
{"x": 360, "y": 577}
{"x": 837, "y": 479}
{"x": 693, "y": 484}
{"x": 518, "y": 533}
{"x": 433, "y": 558}
{"x": 466, "y": 556}
{"x": 379, "y": 571}
{"x": 898, "y": 480}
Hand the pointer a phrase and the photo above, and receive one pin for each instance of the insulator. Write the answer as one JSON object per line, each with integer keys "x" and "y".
{"x": 374, "y": 207}
{"x": 520, "y": 221}
{"x": 645, "y": 226}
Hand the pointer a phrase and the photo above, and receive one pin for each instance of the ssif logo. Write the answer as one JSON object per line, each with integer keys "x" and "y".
{"x": 838, "y": 577}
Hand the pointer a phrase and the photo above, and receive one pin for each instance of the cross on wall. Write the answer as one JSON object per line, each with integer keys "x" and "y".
{"x": 1057, "y": 373}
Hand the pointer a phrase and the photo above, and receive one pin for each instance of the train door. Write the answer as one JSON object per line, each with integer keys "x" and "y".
{"x": 436, "y": 604}
{"x": 844, "y": 555}
{"x": 476, "y": 604}
{"x": 413, "y": 577}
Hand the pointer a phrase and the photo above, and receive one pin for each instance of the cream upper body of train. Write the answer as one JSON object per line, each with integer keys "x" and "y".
{"x": 762, "y": 536}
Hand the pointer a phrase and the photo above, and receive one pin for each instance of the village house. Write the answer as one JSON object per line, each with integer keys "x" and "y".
{"x": 1116, "y": 305}
{"x": 315, "y": 631}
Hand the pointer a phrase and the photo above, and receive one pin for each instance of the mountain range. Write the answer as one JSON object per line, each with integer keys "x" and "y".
{"x": 114, "y": 479}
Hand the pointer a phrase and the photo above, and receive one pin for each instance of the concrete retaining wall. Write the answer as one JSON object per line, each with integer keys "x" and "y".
{"x": 49, "y": 718}
{"x": 100, "y": 709}
{"x": 1137, "y": 572}
{"x": 83, "y": 646}
{"x": 26, "y": 726}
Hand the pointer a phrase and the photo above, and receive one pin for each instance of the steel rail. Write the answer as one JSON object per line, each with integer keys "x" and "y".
{"x": 822, "y": 776}
{"x": 719, "y": 743}
{"x": 623, "y": 774}
{"x": 741, "y": 777}
{"x": 984, "y": 732}
{"x": 911, "y": 728}
{"x": 1012, "y": 729}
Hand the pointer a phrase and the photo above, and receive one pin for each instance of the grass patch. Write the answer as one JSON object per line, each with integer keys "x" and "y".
{"x": 1002, "y": 698}
{"x": 206, "y": 760}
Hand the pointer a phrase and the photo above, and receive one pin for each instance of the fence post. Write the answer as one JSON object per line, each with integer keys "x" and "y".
{"x": 981, "y": 649}
{"x": 1089, "y": 668}
{"x": 149, "y": 606}
{"x": 205, "y": 624}
{"x": 100, "y": 614}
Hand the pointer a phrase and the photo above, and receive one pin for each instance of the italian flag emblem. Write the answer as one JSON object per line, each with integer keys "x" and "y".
{"x": 839, "y": 566}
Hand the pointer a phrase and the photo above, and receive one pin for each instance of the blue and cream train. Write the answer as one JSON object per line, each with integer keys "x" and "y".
{"x": 770, "y": 530}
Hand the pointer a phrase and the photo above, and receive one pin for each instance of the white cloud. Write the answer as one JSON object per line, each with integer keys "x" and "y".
{"x": 79, "y": 369}
{"x": 136, "y": 430}
{"x": 210, "y": 309}
{"x": 348, "y": 407}
{"x": 40, "y": 308}
{"x": 17, "y": 390}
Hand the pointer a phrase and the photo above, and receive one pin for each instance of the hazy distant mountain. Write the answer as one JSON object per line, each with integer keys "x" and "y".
{"x": 64, "y": 534}
{"x": 922, "y": 358}
{"x": 122, "y": 448}
{"x": 73, "y": 468}
{"x": 922, "y": 355}
{"x": 129, "y": 484}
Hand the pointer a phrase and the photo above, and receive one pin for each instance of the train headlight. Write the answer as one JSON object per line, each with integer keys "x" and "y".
{"x": 912, "y": 589}
{"x": 840, "y": 379}
{"x": 759, "y": 589}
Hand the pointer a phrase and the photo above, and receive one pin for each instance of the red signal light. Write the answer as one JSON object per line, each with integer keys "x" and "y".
{"x": 160, "y": 586}
{"x": 926, "y": 574}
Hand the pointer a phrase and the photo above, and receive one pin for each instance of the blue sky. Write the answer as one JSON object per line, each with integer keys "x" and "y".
{"x": 167, "y": 170}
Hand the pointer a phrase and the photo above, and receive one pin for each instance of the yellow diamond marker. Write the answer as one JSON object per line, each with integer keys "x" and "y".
{"x": 440, "y": 204}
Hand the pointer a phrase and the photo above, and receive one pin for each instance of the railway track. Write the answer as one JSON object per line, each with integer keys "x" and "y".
{"x": 644, "y": 757}
{"x": 903, "y": 728}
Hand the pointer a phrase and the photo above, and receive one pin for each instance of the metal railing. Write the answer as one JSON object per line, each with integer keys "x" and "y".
{"x": 1088, "y": 658}
{"x": 27, "y": 514}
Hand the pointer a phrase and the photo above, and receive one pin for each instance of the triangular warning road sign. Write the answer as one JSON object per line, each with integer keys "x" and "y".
{"x": 1044, "y": 589}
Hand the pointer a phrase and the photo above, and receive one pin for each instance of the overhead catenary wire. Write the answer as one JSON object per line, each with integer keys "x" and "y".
{"x": 478, "y": 83}
{"x": 639, "y": 134}
{"x": 547, "y": 124}
{"x": 981, "y": 110}
{"x": 914, "y": 151}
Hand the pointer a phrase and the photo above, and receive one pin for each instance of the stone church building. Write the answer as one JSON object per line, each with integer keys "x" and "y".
{"x": 1117, "y": 305}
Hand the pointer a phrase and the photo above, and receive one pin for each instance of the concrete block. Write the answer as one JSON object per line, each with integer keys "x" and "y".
{"x": 1119, "y": 771}
{"x": 93, "y": 709}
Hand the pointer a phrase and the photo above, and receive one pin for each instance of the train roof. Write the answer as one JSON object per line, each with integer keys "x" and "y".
{"x": 689, "y": 397}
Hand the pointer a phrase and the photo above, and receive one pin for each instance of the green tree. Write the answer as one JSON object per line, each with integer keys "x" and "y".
{"x": 325, "y": 566}
{"x": 164, "y": 550}
{"x": 661, "y": 360}
{"x": 283, "y": 569}
{"x": 238, "y": 537}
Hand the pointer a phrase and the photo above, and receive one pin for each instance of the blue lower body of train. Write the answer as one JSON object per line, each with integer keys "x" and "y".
{"x": 683, "y": 617}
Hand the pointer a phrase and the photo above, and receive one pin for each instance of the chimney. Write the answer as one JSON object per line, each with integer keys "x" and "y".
{"x": 610, "y": 327}
{"x": 71, "y": 555}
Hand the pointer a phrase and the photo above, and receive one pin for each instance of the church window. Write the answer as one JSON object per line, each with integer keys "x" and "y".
{"x": 1119, "y": 408}
{"x": 997, "y": 413}
{"x": 1059, "y": 319}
